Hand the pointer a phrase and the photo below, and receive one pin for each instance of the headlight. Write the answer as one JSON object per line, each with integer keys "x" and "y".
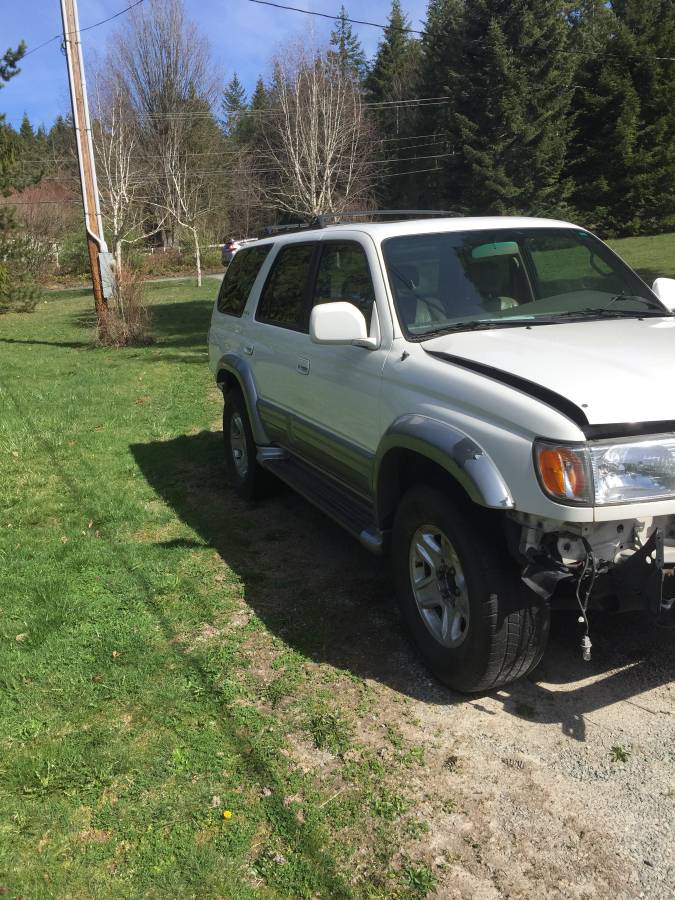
{"x": 564, "y": 472}
{"x": 635, "y": 470}
{"x": 606, "y": 473}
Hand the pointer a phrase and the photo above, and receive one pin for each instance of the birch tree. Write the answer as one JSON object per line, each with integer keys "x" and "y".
{"x": 122, "y": 178}
{"x": 171, "y": 85}
{"x": 318, "y": 138}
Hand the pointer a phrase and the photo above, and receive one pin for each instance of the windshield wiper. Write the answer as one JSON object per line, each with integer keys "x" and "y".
{"x": 477, "y": 325}
{"x": 648, "y": 302}
{"x": 601, "y": 312}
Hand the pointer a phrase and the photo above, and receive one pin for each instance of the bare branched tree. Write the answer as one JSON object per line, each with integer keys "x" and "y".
{"x": 183, "y": 191}
{"x": 165, "y": 64}
{"x": 244, "y": 194}
{"x": 319, "y": 142}
{"x": 122, "y": 177}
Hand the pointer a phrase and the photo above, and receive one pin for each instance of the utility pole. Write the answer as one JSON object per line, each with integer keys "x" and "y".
{"x": 99, "y": 258}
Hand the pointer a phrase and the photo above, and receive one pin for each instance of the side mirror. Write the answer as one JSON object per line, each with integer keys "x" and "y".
{"x": 339, "y": 323}
{"x": 664, "y": 288}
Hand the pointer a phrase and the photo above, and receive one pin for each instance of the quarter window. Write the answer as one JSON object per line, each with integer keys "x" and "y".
{"x": 239, "y": 278}
{"x": 282, "y": 301}
{"x": 344, "y": 275}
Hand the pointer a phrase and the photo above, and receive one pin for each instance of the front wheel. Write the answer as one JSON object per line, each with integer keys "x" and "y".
{"x": 476, "y": 625}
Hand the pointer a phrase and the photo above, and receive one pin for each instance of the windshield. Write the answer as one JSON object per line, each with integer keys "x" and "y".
{"x": 457, "y": 280}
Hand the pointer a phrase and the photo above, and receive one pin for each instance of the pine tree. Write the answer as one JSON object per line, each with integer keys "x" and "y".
{"x": 251, "y": 128}
{"x": 392, "y": 78}
{"x": 16, "y": 290}
{"x": 26, "y": 130}
{"x": 346, "y": 47}
{"x": 234, "y": 101}
{"x": 439, "y": 50}
{"x": 622, "y": 157}
{"x": 509, "y": 132}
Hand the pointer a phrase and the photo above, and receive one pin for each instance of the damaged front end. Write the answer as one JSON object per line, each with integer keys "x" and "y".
{"x": 621, "y": 565}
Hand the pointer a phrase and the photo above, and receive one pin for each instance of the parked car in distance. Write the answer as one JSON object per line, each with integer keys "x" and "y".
{"x": 230, "y": 248}
{"x": 487, "y": 400}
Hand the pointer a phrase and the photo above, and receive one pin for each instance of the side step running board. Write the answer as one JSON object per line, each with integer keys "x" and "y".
{"x": 342, "y": 505}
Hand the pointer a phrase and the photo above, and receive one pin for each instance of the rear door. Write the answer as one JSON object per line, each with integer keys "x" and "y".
{"x": 279, "y": 338}
{"x": 228, "y": 322}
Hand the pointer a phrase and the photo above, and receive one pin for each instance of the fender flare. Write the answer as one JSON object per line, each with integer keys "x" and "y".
{"x": 240, "y": 369}
{"x": 452, "y": 450}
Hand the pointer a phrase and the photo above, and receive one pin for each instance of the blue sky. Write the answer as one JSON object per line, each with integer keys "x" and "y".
{"x": 243, "y": 36}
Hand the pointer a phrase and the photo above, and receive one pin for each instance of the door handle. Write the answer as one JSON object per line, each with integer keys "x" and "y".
{"x": 248, "y": 349}
{"x": 303, "y": 366}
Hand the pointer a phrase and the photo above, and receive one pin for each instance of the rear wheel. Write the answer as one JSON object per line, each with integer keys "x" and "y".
{"x": 476, "y": 625}
{"x": 244, "y": 474}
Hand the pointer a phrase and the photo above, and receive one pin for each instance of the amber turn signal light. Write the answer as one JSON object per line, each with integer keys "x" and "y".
{"x": 563, "y": 472}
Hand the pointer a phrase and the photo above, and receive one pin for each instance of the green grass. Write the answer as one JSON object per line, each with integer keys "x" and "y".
{"x": 651, "y": 256}
{"x": 151, "y": 674}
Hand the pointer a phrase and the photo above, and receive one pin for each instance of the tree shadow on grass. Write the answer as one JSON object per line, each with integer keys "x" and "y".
{"x": 317, "y": 589}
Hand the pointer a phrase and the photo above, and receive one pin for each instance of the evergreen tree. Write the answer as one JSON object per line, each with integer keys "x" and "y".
{"x": 439, "y": 50}
{"x": 26, "y": 131}
{"x": 393, "y": 77}
{"x": 16, "y": 290}
{"x": 509, "y": 132}
{"x": 234, "y": 101}
{"x": 346, "y": 47}
{"x": 622, "y": 157}
{"x": 251, "y": 130}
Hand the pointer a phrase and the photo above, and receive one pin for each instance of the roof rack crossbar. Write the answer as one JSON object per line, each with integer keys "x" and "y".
{"x": 337, "y": 218}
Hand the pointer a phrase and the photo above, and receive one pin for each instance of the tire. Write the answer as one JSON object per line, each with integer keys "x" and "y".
{"x": 477, "y": 626}
{"x": 247, "y": 478}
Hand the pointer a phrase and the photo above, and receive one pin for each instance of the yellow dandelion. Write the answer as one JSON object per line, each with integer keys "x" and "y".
{"x": 227, "y": 814}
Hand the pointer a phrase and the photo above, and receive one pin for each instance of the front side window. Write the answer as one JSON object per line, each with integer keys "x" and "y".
{"x": 454, "y": 280}
{"x": 282, "y": 301}
{"x": 344, "y": 275}
{"x": 239, "y": 278}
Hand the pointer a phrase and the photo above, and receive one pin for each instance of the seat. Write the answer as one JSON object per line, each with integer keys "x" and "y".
{"x": 493, "y": 278}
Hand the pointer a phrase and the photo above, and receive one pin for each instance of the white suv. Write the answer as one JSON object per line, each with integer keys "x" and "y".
{"x": 489, "y": 400}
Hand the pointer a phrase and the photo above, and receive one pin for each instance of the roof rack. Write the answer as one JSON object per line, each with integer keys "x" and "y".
{"x": 337, "y": 218}
{"x": 342, "y": 218}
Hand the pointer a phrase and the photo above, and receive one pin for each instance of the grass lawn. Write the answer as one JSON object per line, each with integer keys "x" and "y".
{"x": 169, "y": 725}
{"x": 651, "y": 257}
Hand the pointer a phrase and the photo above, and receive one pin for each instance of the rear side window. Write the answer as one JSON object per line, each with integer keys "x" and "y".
{"x": 282, "y": 301}
{"x": 239, "y": 279}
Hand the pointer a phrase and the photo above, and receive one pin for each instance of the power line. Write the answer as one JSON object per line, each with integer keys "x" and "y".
{"x": 60, "y": 36}
{"x": 480, "y": 41}
{"x": 334, "y": 18}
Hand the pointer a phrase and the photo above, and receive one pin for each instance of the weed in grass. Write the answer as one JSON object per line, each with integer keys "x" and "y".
{"x": 416, "y": 828}
{"x": 418, "y": 879}
{"x": 619, "y": 754}
{"x": 412, "y": 757}
{"x": 388, "y": 805}
{"x": 330, "y": 732}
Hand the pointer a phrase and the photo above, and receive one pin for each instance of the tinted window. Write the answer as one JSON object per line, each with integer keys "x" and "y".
{"x": 344, "y": 274}
{"x": 239, "y": 279}
{"x": 282, "y": 301}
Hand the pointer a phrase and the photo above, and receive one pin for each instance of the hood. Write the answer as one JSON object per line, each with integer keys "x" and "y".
{"x": 612, "y": 371}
